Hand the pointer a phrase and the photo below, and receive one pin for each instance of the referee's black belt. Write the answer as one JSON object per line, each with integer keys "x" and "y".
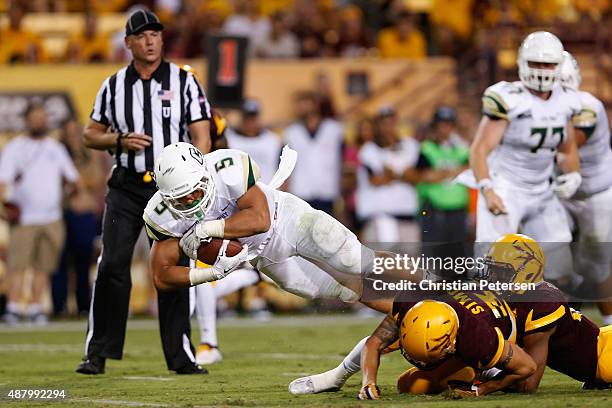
{"x": 144, "y": 179}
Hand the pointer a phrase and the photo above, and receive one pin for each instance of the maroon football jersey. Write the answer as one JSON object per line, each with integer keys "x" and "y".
{"x": 572, "y": 348}
{"x": 485, "y": 321}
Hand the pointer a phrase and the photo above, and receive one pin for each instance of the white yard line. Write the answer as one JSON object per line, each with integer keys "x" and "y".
{"x": 135, "y": 378}
{"x": 125, "y": 403}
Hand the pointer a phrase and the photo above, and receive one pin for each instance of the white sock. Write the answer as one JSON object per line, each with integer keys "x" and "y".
{"x": 13, "y": 307}
{"x": 33, "y": 309}
{"x": 240, "y": 278}
{"x": 607, "y": 320}
{"x": 206, "y": 311}
{"x": 351, "y": 363}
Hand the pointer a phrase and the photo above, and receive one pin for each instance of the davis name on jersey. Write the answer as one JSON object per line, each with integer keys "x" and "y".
{"x": 233, "y": 172}
{"x": 535, "y": 130}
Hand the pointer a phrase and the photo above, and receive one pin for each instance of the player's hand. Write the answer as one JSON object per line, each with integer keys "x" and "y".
{"x": 566, "y": 184}
{"x": 461, "y": 390}
{"x": 494, "y": 202}
{"x": 226, "y": 264}
{"x": 192, "y": 239}
{"x": 369, "y": 392}
{"x": 135, "y": 141}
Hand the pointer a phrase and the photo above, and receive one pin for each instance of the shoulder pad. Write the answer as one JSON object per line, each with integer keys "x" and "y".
{"x": 500, "y": 99}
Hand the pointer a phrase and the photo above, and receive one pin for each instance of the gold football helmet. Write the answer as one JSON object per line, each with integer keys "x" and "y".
{"x": 428, "y": 333}
{"x": 515, "y": 258}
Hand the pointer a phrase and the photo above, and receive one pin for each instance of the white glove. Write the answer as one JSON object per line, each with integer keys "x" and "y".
{"x": 201, "y": 232}
{"x": 191, "y": 241}
{"x": 226, "y": 264}
{"x": 566, "y": 184}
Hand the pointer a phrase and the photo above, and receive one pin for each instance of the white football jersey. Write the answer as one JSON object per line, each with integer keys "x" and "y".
{"x": 264, "y": 149}
{"x": 535, "y": 130}
{"x": 233, "y": 173}
{"x": 595, "y": 153}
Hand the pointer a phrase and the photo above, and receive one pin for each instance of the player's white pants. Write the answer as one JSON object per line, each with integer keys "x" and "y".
{"x": 539, "y": 215}
{"x": 313, "y": 255}
{"x": 593, "y": 218}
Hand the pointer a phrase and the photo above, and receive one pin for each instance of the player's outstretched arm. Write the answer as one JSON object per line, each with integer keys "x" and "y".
{"x": 536, "y": 345}
{"x": 384, "y": 335}
{"x": 517, "y": 365}
{"x": 200, "y": 135}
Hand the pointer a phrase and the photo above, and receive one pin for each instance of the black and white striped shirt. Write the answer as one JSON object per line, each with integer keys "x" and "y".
{"x": 162, "y": 107}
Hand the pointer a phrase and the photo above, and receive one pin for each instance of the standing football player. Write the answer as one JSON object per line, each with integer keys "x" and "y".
{"x": 591, "y": 206}
{"x": 524, "y": 125}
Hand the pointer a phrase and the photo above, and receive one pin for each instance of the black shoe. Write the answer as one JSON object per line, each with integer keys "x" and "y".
{"x": 596, "y": 386}
{"x": 92, "y": 365}
{"x": 191, "y": 369}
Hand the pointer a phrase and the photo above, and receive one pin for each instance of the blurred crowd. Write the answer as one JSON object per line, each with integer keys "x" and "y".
{"x": 486, "y": 30}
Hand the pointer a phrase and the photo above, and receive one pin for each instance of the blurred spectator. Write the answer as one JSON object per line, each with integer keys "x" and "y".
{"x": 386, "y": 204}
{"x": 248, "y": 22}
{"x": 279, "y": 42}
{"x": 18, "y": 45}
{"x": 318, "y": 141}
{"x": 108, "y": 6}
{"x": 90, "y": 45}
{"x": 365, "y": 132}
{"x": 355, "y": 39}
{"x": 443, "y": 156}
{"x": 33, "y": 168}
{"x": 184, "y": 38}
{"x": 453, "y": 24}
{"x": 81, "y": 220}
{"x": 251, "y": 137}
{"x": 403, "y": 40}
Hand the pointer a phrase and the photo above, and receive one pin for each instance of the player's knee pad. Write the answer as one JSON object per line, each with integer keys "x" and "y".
{"x": 336, "y": 244}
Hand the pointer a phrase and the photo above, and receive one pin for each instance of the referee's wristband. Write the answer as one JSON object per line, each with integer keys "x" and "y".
{"x": 120, "y": 137}
{"x": 484, "y": 184}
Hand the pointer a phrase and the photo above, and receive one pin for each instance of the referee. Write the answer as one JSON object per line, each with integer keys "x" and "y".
{"x": 140, "y": 109}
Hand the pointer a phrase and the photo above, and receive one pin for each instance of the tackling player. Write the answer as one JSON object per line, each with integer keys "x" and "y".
{"x": 524, "y": 125}
{"x": 448, "y": 339}
{"x": 552, "y": 333}
{"x": 591, "y": 206}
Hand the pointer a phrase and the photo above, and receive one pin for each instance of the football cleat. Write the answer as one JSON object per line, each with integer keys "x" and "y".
{"x": 191, "y": 369}
{"x": 91, "y": 366}
{"x": 314, "y": 384}
{"x": 207, "y": 354}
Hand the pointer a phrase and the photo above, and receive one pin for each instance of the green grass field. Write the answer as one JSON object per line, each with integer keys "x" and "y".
{"x": 260, "y": 359}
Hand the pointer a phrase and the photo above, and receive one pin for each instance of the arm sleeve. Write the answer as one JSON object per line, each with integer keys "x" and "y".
{"x": 197, "y": 106}
{"x": 100, "y": 112}
{"x": 370, "y": 160}
{"x": 154, "y": 231}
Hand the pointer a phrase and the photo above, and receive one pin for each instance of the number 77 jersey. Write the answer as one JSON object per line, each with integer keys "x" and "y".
{"x": 536, "y": 129}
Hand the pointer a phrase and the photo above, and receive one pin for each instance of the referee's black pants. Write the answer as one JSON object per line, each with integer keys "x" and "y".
{"x": 126, "y": 200}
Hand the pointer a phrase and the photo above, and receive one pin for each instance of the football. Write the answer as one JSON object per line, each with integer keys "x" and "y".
{"x": 209, "y": 251}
